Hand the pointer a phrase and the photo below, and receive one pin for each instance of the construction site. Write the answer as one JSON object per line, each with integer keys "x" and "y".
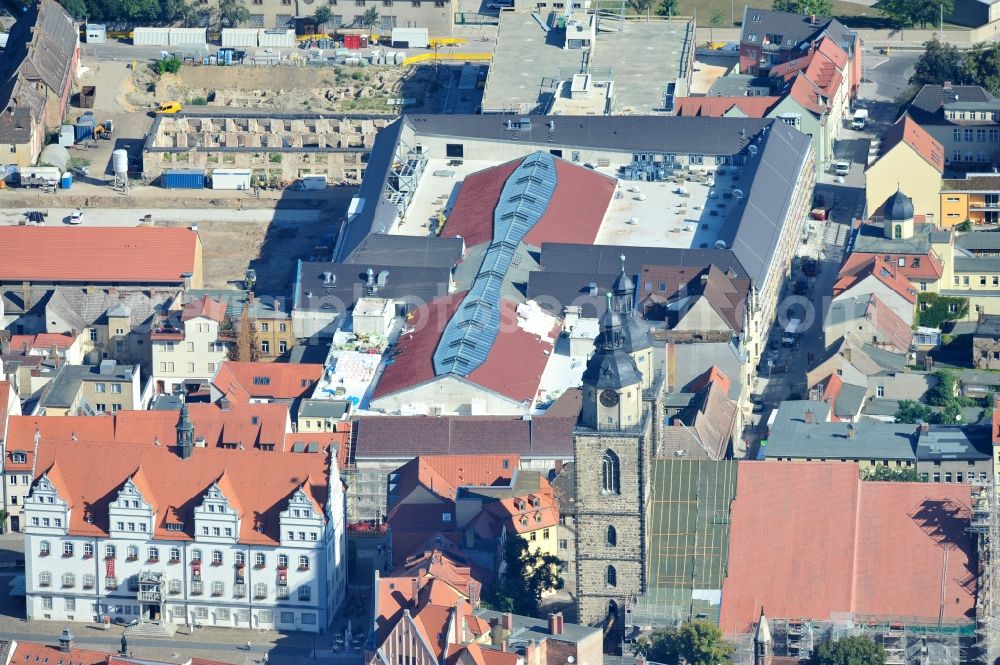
{"x": 275, "y": 146}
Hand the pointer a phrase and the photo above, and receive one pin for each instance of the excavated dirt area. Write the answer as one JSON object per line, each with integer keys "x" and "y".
{"x": 282, "y": 89}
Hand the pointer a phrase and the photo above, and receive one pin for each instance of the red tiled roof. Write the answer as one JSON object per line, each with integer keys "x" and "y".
{"x": 895, "y": 330}
{"x": 521, "y": 514}
{"x": 717, "y": 107}
{"x": 206, "y": 307}
{"x": 32, "y": 652}
{"x": 810, "y": 539}
{"x": 916, "y": 266}
{"x": 574, "y": 213}
{"x": 92, "y": 473}
{"x": 879, "y": 268}
{"x": 243, "y": 381}
{"x": 907, "y": 131}
{"x": 807, "y": 94}
{"x": 40, "y": 342}
{"x": 444, "y": 474}
{"x": 217, "y": 426}
{"x": 98, "y": 254}
{"x": 414, "y": 364}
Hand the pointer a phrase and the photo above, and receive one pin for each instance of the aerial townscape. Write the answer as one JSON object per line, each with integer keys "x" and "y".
{"x": 500, "y": 332}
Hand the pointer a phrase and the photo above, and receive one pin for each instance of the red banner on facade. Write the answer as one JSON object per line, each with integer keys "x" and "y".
{"x": 110, "y": 566}
{"x": 282, "y": 577}
{"x": 196, "y": 569}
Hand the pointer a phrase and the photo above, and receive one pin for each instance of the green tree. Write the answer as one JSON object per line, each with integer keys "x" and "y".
{"x": 695, "y": 643}
{"x": 914, "y": 412}
{"x": 667, "y": 8}
{"x": 75, "y": 8}
{"x": 813, "y": 7}
{"x": 232, "y": 13}
{"x": 323, "y": 14}
{"x": 911, "y": 12}
{"x": 938, "y": 63}
{"x": 3, "y": 520}
{"x": 246, "y": 348}
{"x": 527, "y": 575}
{"x": 945, "y": 390}
{"x": 138, "y": 11}
{"x": 168, "y": 66}
{"x": 853, "y": 650}
{"x": 640, "y": 7}
{"x": 886, "y": 473}
{"x": 369, "y": 19}
{"x": 982, "y": 66}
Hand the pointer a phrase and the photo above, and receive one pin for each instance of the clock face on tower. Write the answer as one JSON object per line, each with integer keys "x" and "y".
{"x": 609, "y": 398}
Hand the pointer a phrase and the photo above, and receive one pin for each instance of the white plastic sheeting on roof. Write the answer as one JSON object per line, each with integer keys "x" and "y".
{"x": 276, "y": 39}
{"x": 151, "y": 37}
{"x": 188, "y": 37}
{"x": 239, "y": 37}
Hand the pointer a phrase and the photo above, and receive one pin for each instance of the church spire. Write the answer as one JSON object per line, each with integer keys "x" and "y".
{"x": 611, "y": 328}
{"x": 624, "y": 291}
{"x": 185, "y": 433}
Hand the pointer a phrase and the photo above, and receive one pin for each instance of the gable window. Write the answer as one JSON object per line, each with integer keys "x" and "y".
{"x": 175, "y": 554}
{"x": 216, "y": 557}
{"x": 18, "y": 457}
{"x": 610, "y": 473}
{"x": 303, "y": 562}
{"x": 88, "y": 550}
{"x": 109, "y": 551}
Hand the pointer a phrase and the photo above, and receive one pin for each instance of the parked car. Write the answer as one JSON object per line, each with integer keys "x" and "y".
{"x": 76, "y": 217}
{"x": 168, "y": 108}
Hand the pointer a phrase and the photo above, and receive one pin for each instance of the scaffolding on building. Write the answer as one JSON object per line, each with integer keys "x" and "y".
{"x": 985, "y": 528}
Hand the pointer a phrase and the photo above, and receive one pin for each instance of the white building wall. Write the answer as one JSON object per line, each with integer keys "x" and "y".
{"x": 196, "y": 358}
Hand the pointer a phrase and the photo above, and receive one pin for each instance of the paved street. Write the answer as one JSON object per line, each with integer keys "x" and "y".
{"x": 133, "y": 217}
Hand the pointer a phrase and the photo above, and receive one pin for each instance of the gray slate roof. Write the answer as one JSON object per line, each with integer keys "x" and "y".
{"x": 926, "y": 106}
{"x": 989, "y": 326}
{"x": 323, "y": 408}
{"x": 873, "y": 440}
{"x": 666, "y": 134}
{"x": 980, "y": 264}
{"x": 605, "y": 259}
{"x": 849, "y": 400}
{"x": 950, "y": 442}
{"x": 417, "y": 285}
{"x": 753, "y": 228}
{"x": 537, "y": 630}
{"x": 66, "y": 384}
{"x": 413, "y": 251}
{"x": 82, "y": 308}
{"x": 979, "y": 240}
{"x": 797, "y": 30}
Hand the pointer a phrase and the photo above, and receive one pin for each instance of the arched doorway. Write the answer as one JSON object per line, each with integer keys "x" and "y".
{"x": 613, "y": 629}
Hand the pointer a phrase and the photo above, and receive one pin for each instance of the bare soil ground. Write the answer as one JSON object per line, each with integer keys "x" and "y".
{"x": 273, "y": 250}
{"x": 285, "y": 88}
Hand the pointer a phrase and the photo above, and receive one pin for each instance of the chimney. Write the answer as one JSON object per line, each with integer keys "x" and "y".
{"x": 809, "y": 417}
{"x": 812, "y": 19}
{"x": 66, "y": 641}
{"x": 555, "y": 623}
{"x": 26, "y": 295}
{"x": 851, "y": 432}
{"x": 946, "y": 85}
{"x": 415, "y": 590}
{"x": 982, "y": 314}
{"x": 923, "y": 428}
{"x": 507, "y": 621}
{"x": 225, "y": 404}
{"x": 529, "y": 653}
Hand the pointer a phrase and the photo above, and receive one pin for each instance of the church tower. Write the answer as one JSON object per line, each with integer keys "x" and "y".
{"x": 636, "y": 336}
{"x": 612, "y": 451}
{"x": 185, "y": 433}
{"x": 897, "y": 214}
{"x": 762, "y": 643}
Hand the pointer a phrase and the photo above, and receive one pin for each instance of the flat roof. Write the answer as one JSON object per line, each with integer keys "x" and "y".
{"x": 641, "y": 60}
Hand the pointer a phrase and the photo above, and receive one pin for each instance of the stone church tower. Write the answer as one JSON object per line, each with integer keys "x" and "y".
{"x": 614, "y": 443}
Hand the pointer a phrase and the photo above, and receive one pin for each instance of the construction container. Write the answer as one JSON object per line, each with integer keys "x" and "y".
{"x": 66, "y": 181}
{"x": 40, "y": 175}
{"x": 84, "y": 128}
{"x": 183, "y": 179}
{"x": 88, "y": 94}
{"x": 354, "y": 42}
{"x": 151, "y": 37}
{"x": 313, "y": 181}
{"x": 67, "y": 137}
{"x": 95, "y": 33}
{"x": 238, "y": 179}
{"x": 276, "y": 39}
{"x": 239, "y": 37}
{"x": 410, "y": 38}
{"x": 188, "y": 36}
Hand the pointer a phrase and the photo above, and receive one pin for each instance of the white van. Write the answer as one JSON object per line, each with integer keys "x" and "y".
{"x": 791, "y": 333}
{"x": 841, "y": 168}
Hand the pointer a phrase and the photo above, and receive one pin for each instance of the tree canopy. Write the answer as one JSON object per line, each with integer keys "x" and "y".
{"x": 526, "y": 577}
{"x": 979, "y": 65}
{"x": 233, "y": 13}
{"x": 915, "y": 12}
{"x": 855, "y": 650}
{"x": 812, "y": 7}
{"x": 696, "y": 642}
{"x": 130, "y": 11}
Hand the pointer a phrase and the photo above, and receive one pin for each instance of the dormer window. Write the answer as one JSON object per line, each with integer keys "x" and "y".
{"x": 175, "y": 526}
{"x": 18, "y": 457}
{"x": 262, "y": 380}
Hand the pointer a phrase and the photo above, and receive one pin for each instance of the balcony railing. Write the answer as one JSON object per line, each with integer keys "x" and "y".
{"x": 149, "y": 596}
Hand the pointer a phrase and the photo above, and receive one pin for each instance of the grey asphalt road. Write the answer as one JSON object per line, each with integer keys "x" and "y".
{"x": 890, "y": 74}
